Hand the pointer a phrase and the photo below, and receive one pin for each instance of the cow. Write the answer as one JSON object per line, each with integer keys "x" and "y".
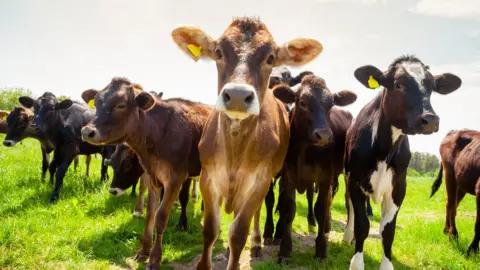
{"x": 460, "y": 153}
{"x": 377, "y": 150}
{"x": 3, "y": 122}
{"x": 60, "y": 122}
{"x": 245, "y": 140}
{"x": 315, "y": 154}
{"x": 20, "y": 119}
{"x": 164, "y": 134}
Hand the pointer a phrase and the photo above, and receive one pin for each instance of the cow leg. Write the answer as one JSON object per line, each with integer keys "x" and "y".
{"x": 171, "y": 190}
{"x": 451, "y": 186}
{"x": 75, "y": 163}
{"x": 288, "y": 210}
{"x": 348, "y": 233}
{"x": 269, "y": 203}
{"x": 88, "y": 160}
{"x": 66, "y": 159}
{"x": 141, "y": 194}
{"x": 45, "y": 163}
{"x": 238, "y": 232}
{"x": 146, "y": 242}
{"x": 132, "y": 193}
{"x": 256, "y": 238}
{"x": 184, "y": 194}
{"x": 369, "y": 209}
{"x": 476, "y": 239}
{"x": 322, "y": 213}
{"x": 52, "y": 168}
{"x": 328, "y": 218}
{"x": 361, "y": 224}
{"x": 104, "y": 170}
{"x": 280, "y": 228}
{"x": 390, "y": 206}
{"x": 311, "y": 216}
{"x": 194, "y": 190}
{"x": 211, "y": 219}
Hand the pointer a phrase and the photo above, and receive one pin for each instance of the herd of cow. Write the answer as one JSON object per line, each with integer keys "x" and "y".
{"x": 265, "y": 125}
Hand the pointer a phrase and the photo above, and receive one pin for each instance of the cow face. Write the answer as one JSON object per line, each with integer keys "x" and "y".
{"x": 47, "y": 110}
{"x": 126, "y": 168}
{"x": 245, "y": 55}
{"x": 313, "y": 102}
{"x": 408, "y": 86}
{"x": 18, "y": 125}
{"x": 118, "y": 106}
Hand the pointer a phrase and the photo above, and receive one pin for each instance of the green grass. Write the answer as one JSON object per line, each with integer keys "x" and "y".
{"x": 89, "y": 229}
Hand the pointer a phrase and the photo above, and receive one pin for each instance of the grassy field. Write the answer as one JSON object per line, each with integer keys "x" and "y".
{"x": 89, "y": 229}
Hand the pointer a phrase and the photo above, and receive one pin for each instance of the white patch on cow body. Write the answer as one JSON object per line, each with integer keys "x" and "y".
{"x": 374, "y": 129}
{"x": 389, "y": 209}
{"x": 381, "y": 181}
{"x": 417, "y": 71}
{"x": 118, "y": 191}
{"x": 396, "y": 133}
{"x": 386, "y": 264}
{"x": 349, "y": 234}
{"x": 357, "y": 262}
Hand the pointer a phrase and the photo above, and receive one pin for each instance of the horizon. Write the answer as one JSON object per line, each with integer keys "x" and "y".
{"x": 84, "y": 44}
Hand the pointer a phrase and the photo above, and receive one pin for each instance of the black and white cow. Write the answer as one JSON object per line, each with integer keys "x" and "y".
{"x": 377, "y": 150}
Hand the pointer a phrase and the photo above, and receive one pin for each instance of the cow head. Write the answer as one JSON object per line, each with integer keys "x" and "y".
{"x": 408, "y": 86}
{"x": 47, "y": 109}
{"x": 18, "y": 120}
{"x": 313, "y": 103}
{"x": 118, "y": 106}
{"x": 126, "y": 169}
{"x": 245, "y": 55}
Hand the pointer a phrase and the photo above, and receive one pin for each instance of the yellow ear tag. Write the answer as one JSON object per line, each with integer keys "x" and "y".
{"x": 91, "y": 104}
{"x": 372, "y": 83}
{"x": 4, "y": 117}
{"x": 195, "y": 50}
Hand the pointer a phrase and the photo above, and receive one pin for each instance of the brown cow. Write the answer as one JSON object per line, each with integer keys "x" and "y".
{"x": 163, "y": 133}
{"x": 3, "y": 122}
{"x": 245, "y": 140}
{"x": 315, "y": 154}
{"x": 377, "y": 151}
{"x": 460, "y": 152}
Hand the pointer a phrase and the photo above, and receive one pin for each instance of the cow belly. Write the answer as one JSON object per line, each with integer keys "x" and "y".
{"x": 381, "y": 181}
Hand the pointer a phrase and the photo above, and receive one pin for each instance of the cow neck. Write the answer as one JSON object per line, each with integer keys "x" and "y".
{"x": 238, "y": 133}
{"x": 55, "y": 133}
{"x": 383, "y": 144}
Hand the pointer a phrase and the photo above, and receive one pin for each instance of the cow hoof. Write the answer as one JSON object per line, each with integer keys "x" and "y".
{"x": 321, "y": 259}
{"x": 141, "y": 257}
{"x": 453, "y": 236}
{"x": 176, "y": 203}
{"x": 137, "y": 214}
{"x": 268, "y": 241}
{"x": 283, "y": 260}
{"x": 277, "y": 241}
{"x": 181, "y": 228}
{"x": 312, "y": 228}
{"x": 370, "y": 217}
{"x": 152, "y": 266}
{"x": 227, "y": 253}
{"x": 203, "y": 266}
{"x": 256, "y": 252}
{"x": 472, "y": 249}
{"x": 53, "y": 198}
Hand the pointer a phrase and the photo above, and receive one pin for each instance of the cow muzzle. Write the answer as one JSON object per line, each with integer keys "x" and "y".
{"x": 116, "y": 191}
{"x": 428, "y": 123}
{"x": 90, "y": 134}
{"x": 321, "y": 136}
{"x": 9, "y": 143}
{"x": 238, "y": 101}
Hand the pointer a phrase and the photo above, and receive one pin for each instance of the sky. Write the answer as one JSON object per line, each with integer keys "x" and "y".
{"x": 66, "y": 47}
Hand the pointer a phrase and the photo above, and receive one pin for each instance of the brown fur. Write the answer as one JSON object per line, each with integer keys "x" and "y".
{"x": 240, "y": 157}
{"x": 163, "y": 133}
{"x": 3, "y": 127}
{"x": 460, "y": 153}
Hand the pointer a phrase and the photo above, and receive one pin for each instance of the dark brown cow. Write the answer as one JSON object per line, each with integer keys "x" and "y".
{"x": 315, "y": 154}
{"x": 460, "y": 152}
{"x": 163, "y": 133}
{"x": 20, "y": 119}
{"x": 3, "y": 122}
{"x": 377, "y": 150}
{"x": 245, "y": 140}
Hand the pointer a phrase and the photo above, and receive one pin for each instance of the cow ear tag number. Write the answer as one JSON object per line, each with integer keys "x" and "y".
{"x": 372, "y": 83}
{"x": 195, "y": 50}
{"x": 91, "y": 104}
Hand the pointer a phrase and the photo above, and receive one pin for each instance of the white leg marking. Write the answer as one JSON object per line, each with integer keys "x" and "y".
{"x": 137, "y": 214}
{"x": 389, "y": 209}
{"x": 386, "y": 264}
{"x": 357, "y": 262}
{"x": 348, "y": 234}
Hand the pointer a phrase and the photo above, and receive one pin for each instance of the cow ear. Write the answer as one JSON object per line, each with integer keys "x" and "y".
{"x": 3, "y": 115}
{"x": 145, "y": 101}
{"x": 89, "y": 94}
{"x": 26, "y": 102}
{"x": 447, "y": 83}
{"x": 284, "y": 93}
{"x": 344, "y": 98}
{"x": 298, "y": 79}
{"x": 194, "y": 42}
{"x": 298, "y": 52}
{"x": 370, "y": 76}
{"x": 160, "y": 95}
{"x": 64, "y": 104}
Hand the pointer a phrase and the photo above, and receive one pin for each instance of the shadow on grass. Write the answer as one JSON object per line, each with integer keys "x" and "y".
{"x": 113, "y": 204}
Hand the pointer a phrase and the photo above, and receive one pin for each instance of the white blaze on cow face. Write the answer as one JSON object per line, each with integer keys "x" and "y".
{"x": 417, "y": 71}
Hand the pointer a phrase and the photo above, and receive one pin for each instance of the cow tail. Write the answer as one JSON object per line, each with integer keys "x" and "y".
{"x": 438, "y": 182}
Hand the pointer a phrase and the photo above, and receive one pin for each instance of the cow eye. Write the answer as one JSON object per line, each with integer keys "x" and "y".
{"x": 270, "y": 59}
{"x": 397, "y": 86}
{"x": 219, "y": 54}
{"x": 121, "y": 106}
{"x": 302, "y": 104}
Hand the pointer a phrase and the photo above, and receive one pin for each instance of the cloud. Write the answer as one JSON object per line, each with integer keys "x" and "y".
{"x": 364, "y": 2}
{"x": 463, "y": 9}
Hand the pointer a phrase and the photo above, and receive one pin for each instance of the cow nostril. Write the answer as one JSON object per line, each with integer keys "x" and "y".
{"x": 226, "y": 97}
{"x": 6, "y": 143}
{"x": 91, "y": 134}
{"x": 113, "y": 191}
{"x": 249, "y": 99}
{"x": 424, "y": 122}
